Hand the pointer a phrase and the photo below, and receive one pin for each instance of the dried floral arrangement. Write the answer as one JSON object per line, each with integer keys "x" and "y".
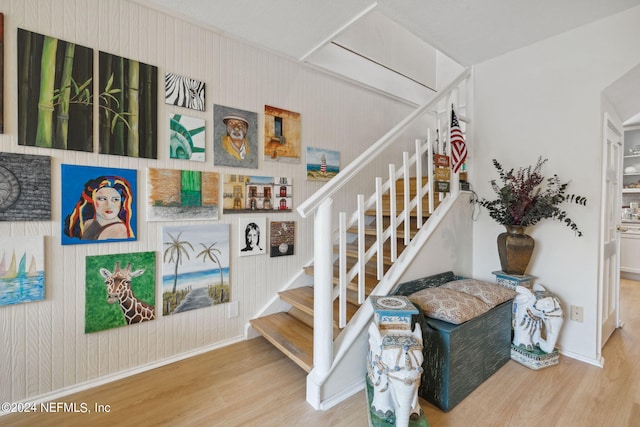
{"x": 526, "y": 197}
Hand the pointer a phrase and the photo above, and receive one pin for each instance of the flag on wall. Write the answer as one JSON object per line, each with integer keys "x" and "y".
{"x": 458, "y": 147}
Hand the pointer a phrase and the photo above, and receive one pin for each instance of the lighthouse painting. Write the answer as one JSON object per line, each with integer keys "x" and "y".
{"x": 21, "y": 270}
{"x": 322, "y": 165}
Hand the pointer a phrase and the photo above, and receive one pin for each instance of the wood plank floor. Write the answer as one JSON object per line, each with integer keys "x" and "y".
{"x": 253, "y": 384}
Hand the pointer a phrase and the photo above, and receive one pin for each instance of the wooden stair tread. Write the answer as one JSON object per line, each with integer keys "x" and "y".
{"x": 372, "y": 230}
{"x": 370, "y": 267}
{"x": 302, "y": 299}
{"x": 386, "y": 211}
{"x": 370, "y": 280}
{"x": 289, "y": 335}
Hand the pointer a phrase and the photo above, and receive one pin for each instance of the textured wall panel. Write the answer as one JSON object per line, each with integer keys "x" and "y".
{"x": 47, "y": 349}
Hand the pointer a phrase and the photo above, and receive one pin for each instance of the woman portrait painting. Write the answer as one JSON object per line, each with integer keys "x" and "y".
{"x": 105, "y": 209}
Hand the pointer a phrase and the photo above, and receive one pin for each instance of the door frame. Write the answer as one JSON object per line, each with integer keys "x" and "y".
{"x": 611, "y": 126}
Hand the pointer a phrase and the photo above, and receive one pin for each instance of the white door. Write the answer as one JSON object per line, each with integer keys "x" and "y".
{"x": 609, "y": 301}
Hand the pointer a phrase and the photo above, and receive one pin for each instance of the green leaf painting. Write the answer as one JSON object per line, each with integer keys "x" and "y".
{"x": 55, "y": 104}
{"x": 128, "y": 107}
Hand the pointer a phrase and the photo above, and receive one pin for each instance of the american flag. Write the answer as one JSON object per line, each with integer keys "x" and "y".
{"x": 458, "y": 147}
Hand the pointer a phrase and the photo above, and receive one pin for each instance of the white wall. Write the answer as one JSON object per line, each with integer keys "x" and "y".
{"x": 545, "y": 100}
{"x": 45, "y": 350}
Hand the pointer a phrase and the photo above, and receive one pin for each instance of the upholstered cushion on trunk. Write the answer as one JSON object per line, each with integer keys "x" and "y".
{"x": 490, "y": 293}
{"x": 448, "y": 305}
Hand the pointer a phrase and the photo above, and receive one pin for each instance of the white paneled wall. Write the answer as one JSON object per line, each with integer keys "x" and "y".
{"x": 43, "y": 347}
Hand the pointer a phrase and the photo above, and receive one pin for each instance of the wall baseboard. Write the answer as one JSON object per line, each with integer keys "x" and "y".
{"x": 66, "y": 391}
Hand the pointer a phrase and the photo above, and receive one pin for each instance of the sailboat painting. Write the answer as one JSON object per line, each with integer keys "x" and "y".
{"x": 21, "y": 270}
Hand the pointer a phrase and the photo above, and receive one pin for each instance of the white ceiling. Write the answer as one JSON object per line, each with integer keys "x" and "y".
{"x": 468, "y": 31}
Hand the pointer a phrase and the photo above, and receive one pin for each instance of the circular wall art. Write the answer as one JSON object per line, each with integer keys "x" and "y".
{"x": 9, "y": 188}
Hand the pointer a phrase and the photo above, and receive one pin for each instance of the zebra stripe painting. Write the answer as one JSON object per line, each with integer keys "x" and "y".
{"x": 184, "y": 92}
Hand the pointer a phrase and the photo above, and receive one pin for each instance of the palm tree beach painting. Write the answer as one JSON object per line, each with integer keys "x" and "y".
{"x": 21, "y": 270}
{"x": 195, "y": 267}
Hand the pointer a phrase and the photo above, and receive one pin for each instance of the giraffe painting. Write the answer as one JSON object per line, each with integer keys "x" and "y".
{"x": 119, "y": 289}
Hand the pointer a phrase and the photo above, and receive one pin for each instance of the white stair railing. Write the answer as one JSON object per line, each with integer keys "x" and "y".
{"x": 320, "y": 205}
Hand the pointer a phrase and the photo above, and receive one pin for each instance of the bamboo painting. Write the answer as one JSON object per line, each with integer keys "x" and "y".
{"x": 55, "y": 102}
{"x": 1, "y": 72}
{"x": 128, "y": 107}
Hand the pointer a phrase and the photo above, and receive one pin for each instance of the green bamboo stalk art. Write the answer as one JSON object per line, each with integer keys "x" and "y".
{"x": 105, "y": 125}
{"x": 55, "y": 93}
{"x": 62, "y": 123}
{"x": 133, "y": 137}
{"x": 23, "y": 104}
{"x": 44, "y": 134}
{"x": 148, "y": 112}
{"x": 118, "y": 127}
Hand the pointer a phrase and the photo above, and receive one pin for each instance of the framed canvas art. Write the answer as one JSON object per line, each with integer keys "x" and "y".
{"x": 120, "y": 290}
{"x": 281, "y": 135}
{"x": 55, "y": 94}
{"x": 322, "y": 165}
{"x": 182, "y": 194}
{"x": 184, "y": 92}
{"x": 252, "y": 236}
{"x": 25, "y": 187}
{"x": 128, "y": 107}
{"x": 98, "y": 204}
{"x": 186, "y": 138}
{"x": 282, "y": 193}
{"x": 21, "y": 270}
{"x": 195, "y": 267}
{"x": 282, "y": 238}
{"x": 245, "y": 193}
{"x": 235, "y": 137}
{"x": 1, "y": 72}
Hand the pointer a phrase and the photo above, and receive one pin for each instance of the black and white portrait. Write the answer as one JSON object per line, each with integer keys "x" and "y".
{"x": 252, "y": 236}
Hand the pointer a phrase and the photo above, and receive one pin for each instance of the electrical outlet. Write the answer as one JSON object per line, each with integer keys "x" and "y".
{"x": 577, "y": 313}
{"x": 233, "y": 309}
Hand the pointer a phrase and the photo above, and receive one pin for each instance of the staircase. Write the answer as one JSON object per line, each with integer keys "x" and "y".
{"x": 292, "y": 332}
{"x": 324, "y": 328}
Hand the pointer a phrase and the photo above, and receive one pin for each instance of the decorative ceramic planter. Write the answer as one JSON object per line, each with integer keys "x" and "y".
{"x": 515, "y": 249}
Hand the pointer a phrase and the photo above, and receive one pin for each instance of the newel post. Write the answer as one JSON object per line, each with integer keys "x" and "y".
{"x": 323, "y": 288}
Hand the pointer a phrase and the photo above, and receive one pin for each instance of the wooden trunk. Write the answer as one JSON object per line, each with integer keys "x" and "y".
{"x": 458, "y": 358}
